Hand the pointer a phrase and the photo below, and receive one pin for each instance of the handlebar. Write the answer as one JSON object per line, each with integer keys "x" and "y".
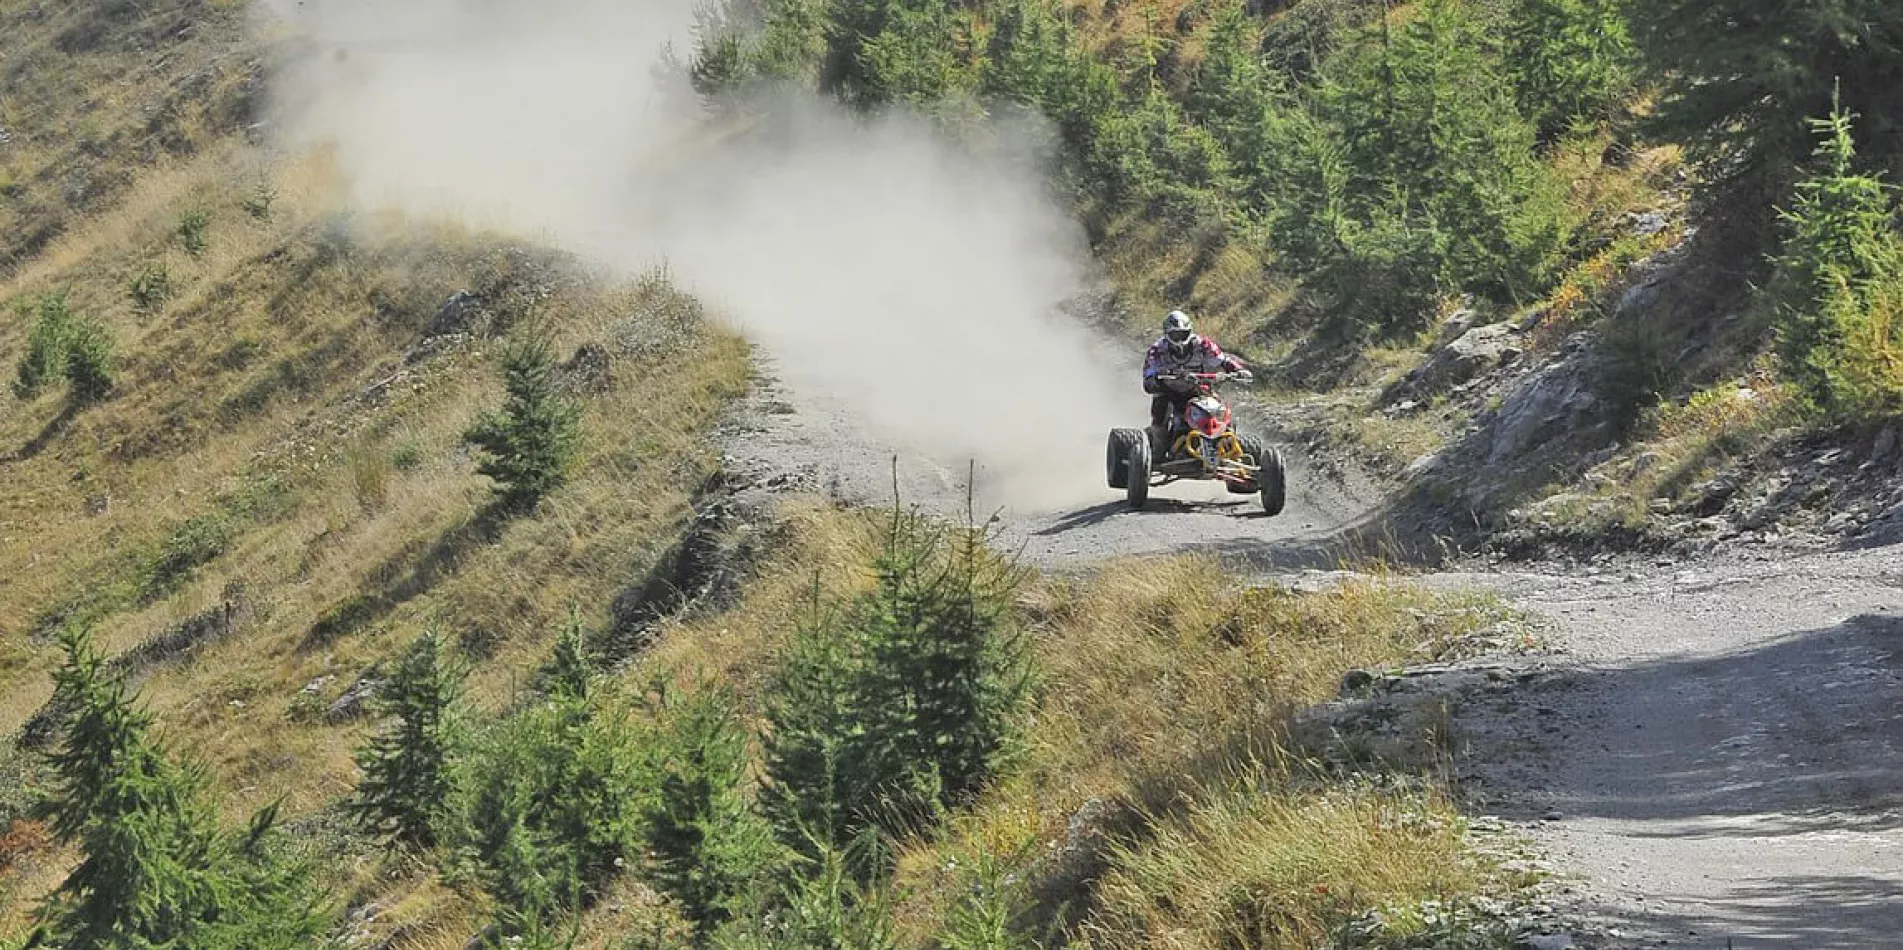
{"x": 1209, "y": 377}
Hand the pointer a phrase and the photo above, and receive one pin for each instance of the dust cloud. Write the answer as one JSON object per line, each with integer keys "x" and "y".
{"x": 916, "y": 282}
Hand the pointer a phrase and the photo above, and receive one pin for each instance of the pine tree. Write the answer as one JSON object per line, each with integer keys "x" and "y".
{"x": 532, "y": 440}
{"x": 811, "y": 704}
{"x": 45, "y": 357}
{"x": 1569, "y": 59}
{"x": 556, "y": 795}
{"x": 1443, "y": 189}
{"x": 407, "y": 769}
{"x": 1741, "y": 78}
{"x": 946, "y": 669}
{"x": 709, "y": 845}
{"x": 62, "y": 344}
{"x": 1842, "y": 264}
{"x": 155, "y": 869}
{"x": 1236, "y": 98}
{"x": 903, "y": 704}
{"x": 915, "y": 57}
{"x": 792, "y": 39}
{"x": 841, "y": 898}
{"x": 90, "y": 366}
{"x": 571, "y": 671}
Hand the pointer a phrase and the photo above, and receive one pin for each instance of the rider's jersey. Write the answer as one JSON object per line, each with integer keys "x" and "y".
{"x": 1203, "y": 356}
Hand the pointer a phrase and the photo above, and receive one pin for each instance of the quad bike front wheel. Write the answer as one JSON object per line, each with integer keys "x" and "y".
{"x": 1117, "y": 458}
{"x": 1271, "y": 479}
{"x": 1132, "y": 448}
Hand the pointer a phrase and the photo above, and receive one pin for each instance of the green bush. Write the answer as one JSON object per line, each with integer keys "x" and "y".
{"x": 824, "y": 906}
{"x": 792, "y": 38}
{"x": 61, "y": 344}
{"x": 570, "y": 676}
{"x": 259, "y": 201}
{"x": 192, "y": 229}
{"x": 532, "y": 440}
{"x": 1035, "y": 60}
{"x": 407, "y": 456}
{"x": 915, "y": 59}
{"x": 1840, "y": 282}
{"x": 1438, "y": 183}
{"x": 996, "y": 896}
{"x": 150, "y": 288}
{"x": 1242, "y": 103}
{"x": 742, "y": 43}
{"x": 408, "y": 769}
{"x": 903, "y": 704}
{"x": 91, "y": 369}
{"x": 1569, "y": 60}
{"x": 1151, "y": 152}
{"x": 45, "y": 357}
{"x": 555, "y": 804}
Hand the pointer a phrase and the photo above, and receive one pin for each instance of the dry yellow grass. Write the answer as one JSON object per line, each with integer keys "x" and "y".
{"x": 1155, "y": 667}
{"x": 242, "y": 401}
{"x": 1270, "y": 861}
{"x": 1164, "y": 684}
{"x": 1160, "y": 682}
{"x": 89, "y": 106}
{"x": 813, "y": 544}
{"x": 1229, "y": 295}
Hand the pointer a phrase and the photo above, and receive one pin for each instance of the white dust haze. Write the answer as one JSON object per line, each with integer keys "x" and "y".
{"x": 911, "y": 280}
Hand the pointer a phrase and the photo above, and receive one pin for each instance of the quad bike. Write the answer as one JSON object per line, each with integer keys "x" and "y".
{"x": 1201, "y": 445}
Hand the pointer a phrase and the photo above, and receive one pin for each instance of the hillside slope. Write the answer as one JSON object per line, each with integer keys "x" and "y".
{"x": 698, "y": 693}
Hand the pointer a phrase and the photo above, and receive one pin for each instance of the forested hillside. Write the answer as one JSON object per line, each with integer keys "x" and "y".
{"x": 1341, "y": 188}
{"x": 1383, "y": 155}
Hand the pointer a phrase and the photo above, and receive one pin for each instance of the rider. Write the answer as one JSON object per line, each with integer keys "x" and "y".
{"x": 1180, "y": 350}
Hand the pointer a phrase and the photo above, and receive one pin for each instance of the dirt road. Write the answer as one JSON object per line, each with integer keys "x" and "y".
{"x": 1718, "y": 752}
{"x": 819, "y": 441}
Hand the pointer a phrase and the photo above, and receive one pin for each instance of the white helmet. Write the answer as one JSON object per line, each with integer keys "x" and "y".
{"x": 1176, "y": 327}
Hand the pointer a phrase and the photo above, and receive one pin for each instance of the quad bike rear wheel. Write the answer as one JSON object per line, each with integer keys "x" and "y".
{"x": 1253, "y": 448}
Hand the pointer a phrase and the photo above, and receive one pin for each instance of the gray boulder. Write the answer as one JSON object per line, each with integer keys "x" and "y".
{"x": 1556, "y": 398}
{"x": 1476, "y": 351}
